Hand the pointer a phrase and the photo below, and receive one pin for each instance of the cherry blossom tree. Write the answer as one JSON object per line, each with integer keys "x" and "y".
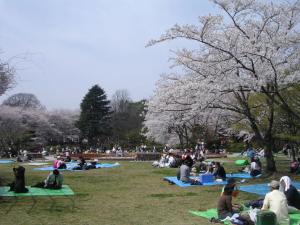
{"x": 252, "y": 47}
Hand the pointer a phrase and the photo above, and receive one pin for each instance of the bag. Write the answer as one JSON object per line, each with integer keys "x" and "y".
{"x": 266, "y": 217}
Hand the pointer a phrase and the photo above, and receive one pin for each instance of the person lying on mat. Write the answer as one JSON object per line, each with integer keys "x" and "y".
{"x": 219, "y": 172}
{"x": 53, "y": 181}
{"x": 255, "y": 167}
{"x": 276, "y": 202}
{"x": 184, "y": 171}
{"x": 225, "y": 206}
{"x": 291, "y": 193}
{"x": 81, "y": 164}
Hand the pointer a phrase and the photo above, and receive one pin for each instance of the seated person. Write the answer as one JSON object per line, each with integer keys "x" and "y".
{"x": 93, "y": 165}
{"x": 294, "y": 166}
{"x": 231, "y": 184}
{"x": 291, "y": 193}
{"x": 225, "y": 207}
{"x": 200, "y": 165}
{"x": 276, "y": 202}
{"x": 81, "y": 164}
{"x": 55, "y": 162}
{"x": 255, "y": 167}
{"x": 251, "y": 153}
{"x": 219, "y": 172}
{"x": 53, "y": 181}
{"x": 18, "y": 186}
{"x": 184, "y": 171}
{"x": 61, "y": 164}
{"x": 171, "y": 161}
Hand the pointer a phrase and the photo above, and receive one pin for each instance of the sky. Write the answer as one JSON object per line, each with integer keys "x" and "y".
{"x": 61, "y": 48}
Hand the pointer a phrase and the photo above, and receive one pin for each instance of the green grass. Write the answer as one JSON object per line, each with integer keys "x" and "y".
{"x": 132, "y": 194}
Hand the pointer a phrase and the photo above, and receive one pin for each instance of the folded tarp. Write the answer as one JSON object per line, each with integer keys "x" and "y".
{"x": 210, "y": 213}
{"x": 70, "y": 167}
{"x": 241, "y": 175}
{"x": 261, "y": 189}
{"x": 241, "y": 162}
{"x": 179, "y": 183}
{"x": 4, "y": 161}
{"x": 65, "y": 190}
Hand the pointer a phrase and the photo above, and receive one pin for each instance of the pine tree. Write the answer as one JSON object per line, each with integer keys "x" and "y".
{"x": 94, "y": 120}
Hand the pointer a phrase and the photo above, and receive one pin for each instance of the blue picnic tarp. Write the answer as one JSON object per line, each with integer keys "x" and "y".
{"x": 70, "y": 167}
{"x": 179, "y": 183}
{"x": 261, "y": 189}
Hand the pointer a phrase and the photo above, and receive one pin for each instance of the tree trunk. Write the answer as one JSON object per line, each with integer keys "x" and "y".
{"x": 271, "y": 166}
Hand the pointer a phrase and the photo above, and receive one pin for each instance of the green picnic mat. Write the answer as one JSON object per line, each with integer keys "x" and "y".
{"x": 294, "y": 219}
{"x": 65, "y": 190}
{"x": 210, "y": 213}
{"x": 241, "y": 162}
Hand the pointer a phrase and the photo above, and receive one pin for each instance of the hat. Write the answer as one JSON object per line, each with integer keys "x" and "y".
{"x": 274, "y": 184}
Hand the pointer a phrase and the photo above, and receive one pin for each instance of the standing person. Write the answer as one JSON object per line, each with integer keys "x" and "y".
{"x": 276, "y": 202}
{"x": 291, "y": 193}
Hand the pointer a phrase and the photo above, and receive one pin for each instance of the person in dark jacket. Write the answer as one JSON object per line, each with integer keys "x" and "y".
{"x": 291, "y": 193}
{"x": 219, "y": 172}
{"x": 18, "y": 186}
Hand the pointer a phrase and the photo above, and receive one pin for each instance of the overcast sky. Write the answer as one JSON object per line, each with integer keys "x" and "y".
{"x": 61, "y": 48}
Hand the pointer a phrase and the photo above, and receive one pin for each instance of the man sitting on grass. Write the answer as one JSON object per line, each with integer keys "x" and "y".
{"x": 53, "y": 181}
{"x": 184, "y": 171}
{"x": 276, "y": 202}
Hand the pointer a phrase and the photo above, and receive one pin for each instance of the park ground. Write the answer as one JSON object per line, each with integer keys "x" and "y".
{"x": 132, "y": 194}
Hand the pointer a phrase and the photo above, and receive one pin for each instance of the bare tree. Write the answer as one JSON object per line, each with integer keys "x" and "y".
{"x": 6, "y": 77}
{"x": 120, "y": 101}
{"x": 24, "y": 100}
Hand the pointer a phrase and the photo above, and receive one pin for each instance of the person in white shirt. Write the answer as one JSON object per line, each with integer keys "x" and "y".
{"x": 255, "y": 167}
{"x": 276, "y": 202}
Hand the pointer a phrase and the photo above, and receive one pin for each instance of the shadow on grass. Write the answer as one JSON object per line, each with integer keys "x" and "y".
{"x": 168, "y": 195}
{"x": 165, "y": 172}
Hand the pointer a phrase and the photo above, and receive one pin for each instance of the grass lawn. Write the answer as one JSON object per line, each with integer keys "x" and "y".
{"x": 132, "y": 194}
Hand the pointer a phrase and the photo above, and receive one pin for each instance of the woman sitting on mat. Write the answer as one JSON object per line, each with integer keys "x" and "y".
{"x": 219, "y": 172}
{"x": 184, "y": 171}
{"x": 291, "y": 193}
{"x": 61, "y": 164}
{"x": 255, "y": 167}
{"x": 53, "y": 181}
{"x": 225, "y": 206}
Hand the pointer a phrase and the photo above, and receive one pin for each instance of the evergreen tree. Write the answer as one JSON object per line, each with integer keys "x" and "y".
{"x": 94, "y": 120}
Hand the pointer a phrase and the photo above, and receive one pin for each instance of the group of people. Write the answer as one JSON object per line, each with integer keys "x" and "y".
{"x": 282, "y": 199}
{"x": 60, "y": 163}
{"x": 53, "y": 181}
{"x": 213, "y": 168}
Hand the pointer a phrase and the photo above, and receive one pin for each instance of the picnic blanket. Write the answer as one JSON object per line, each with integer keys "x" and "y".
{"x": 179, "y": 183}
{"x": 261, "y": 189}
{"x": 241, "y": 162}
{"x": 34, "y": 164}
{"x": 70, "y": 167}
{"x": 65, "y": 190}
{"x": 210, "y": 213}
{"x": 241, "y": 175}
{"x": 4, "y": 161}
